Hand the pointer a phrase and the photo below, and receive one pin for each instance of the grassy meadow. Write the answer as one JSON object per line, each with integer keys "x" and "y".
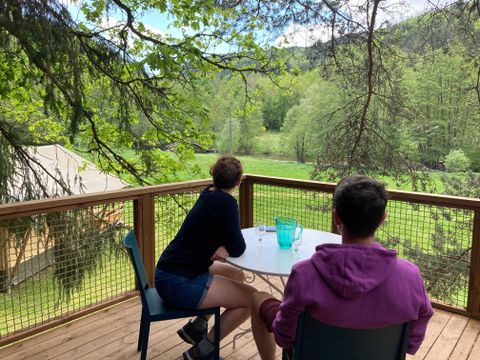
{"x": 290, "y": 169}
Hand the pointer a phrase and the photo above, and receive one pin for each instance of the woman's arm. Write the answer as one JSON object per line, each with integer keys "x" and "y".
{"x": 234, "y": 241}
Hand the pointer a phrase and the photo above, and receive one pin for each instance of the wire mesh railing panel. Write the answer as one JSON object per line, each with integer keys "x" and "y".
{"x": 52, "y": 265}
{"x": 438, "y": 240}
{"x": 312, "y": 209}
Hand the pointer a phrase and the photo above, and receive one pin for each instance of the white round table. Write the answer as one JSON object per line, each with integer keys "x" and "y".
{"x": 270, "y": 259}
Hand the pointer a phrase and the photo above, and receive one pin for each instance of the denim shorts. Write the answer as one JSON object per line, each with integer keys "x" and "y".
{"x": 182, "y": 292}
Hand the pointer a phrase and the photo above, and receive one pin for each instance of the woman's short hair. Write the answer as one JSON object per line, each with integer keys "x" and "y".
{"x": 360, "y": 202}
{"x": 226, "y": 172}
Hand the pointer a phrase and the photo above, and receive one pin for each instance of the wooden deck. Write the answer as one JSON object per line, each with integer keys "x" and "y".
{"x": 112, "y": 334}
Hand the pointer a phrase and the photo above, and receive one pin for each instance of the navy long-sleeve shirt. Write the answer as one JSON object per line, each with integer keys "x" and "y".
{"x": 212, "y": 222}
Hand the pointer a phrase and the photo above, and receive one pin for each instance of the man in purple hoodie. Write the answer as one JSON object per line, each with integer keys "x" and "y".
{"x": 357, "y": 285}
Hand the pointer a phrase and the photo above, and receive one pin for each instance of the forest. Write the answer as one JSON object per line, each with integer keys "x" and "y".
{"x": 378, "y": 96}
{"x": 431, "y": 107}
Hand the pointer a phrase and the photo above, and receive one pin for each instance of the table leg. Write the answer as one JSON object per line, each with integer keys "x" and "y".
{"x": 240, "y": 334}
{"x": 250, "y": 277}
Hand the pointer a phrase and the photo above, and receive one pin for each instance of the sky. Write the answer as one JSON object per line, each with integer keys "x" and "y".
{"x": 303, "y": 36}
{"x": 295, "y": 35}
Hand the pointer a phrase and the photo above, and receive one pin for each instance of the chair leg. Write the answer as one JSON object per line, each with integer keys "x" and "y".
{"x": 217, "y": 334}
{"x": 145, "y": 334}
{"x": 140, "y": 332}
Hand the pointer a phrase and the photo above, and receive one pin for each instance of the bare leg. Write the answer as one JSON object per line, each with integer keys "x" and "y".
{"x": 235, "y": 297}
{"x": 225, "y": 270}
{"x": 263, "y": 338}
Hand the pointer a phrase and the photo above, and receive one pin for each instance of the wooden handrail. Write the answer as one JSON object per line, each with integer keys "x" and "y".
{"x": 399, "y": 195}
{"x": 83, "y": 200}
{"x": 26, "y": 208}
{"x": 292, "y": 183}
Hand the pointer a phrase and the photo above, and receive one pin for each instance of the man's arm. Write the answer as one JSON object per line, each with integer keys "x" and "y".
{"x": 285, "y": 324}
{"x": 419, "y": 326}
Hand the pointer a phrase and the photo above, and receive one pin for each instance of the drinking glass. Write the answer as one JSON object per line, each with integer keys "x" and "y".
{"x": 296, "y": 244}
{"x": 260, "y": 230}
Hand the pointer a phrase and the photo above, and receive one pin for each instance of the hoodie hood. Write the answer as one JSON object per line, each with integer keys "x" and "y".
{"x": 353, "y": 270}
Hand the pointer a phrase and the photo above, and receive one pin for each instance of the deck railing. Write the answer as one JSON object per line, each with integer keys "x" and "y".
{"x": 44, "y": 243}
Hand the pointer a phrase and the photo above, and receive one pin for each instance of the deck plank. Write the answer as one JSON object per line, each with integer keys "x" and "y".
{"x": 102, "y": 340}
{"x": 127, "y": 341}
{"x": 447, "y": 339}
{"x": 466, "y": 341}
{"x": 475, "y": 353}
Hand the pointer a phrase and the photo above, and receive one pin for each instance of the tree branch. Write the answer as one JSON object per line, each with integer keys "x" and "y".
{"x": 363, "y": 117}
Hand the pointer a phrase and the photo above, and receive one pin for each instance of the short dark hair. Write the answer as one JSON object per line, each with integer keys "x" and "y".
{"x": 360, "y": 202}
{"x": 226, "y": 172}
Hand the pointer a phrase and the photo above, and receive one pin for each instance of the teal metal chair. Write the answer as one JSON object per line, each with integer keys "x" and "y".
{"x": 315, "y": 340}
{"x": 153, "y": 307}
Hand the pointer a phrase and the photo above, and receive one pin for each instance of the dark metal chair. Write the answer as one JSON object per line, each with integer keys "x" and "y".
{"x": 153, "y": 307}
{"x": 315, "y": 340}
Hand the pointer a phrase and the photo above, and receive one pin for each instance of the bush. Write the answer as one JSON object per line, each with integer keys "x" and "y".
{"x": 457, "y": 161}
{"x": 473, "y": 153}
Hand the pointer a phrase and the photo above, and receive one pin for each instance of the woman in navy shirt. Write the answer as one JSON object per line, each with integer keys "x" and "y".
{"x": 187, "y": 275}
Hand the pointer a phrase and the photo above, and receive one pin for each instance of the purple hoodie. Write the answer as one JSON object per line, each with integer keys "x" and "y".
{"x": 357, "y": 287}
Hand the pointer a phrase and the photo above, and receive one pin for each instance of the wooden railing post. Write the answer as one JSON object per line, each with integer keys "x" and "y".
{"x": 473, "y": 306}
{"x": 246, "y": 203}
{"x": 144, "y": 218}
{"x": 334, "y": 228}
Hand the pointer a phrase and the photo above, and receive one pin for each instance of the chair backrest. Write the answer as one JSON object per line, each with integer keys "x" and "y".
{"x": 130, "y": 242}
{"x": 315, "y": 340}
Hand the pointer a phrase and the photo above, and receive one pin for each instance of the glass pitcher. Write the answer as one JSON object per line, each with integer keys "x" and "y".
{"x": 286, "y": 228}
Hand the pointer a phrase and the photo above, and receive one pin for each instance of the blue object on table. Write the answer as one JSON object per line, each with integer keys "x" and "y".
{"x": 286, "y": 228}
{"x": 153, "y": 307}
{"x": 270, "y": 229}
